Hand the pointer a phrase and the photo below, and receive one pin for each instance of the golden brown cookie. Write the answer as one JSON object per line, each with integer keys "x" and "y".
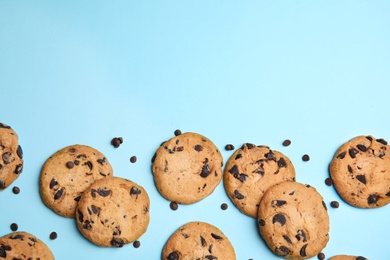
{"x": 187, "y": 168}
{"x": 360, "y": 171}
{"x": 23, "y": 246}
{"x": 347, "y": 257}
{"x": 67, "y": 173}
{"x": 198, "y": 240}
{"x": 11, "y": 161}
{"x": 113, "y": 212}
{"x": 293, "y": 220}
{"x": 250, "y": 171}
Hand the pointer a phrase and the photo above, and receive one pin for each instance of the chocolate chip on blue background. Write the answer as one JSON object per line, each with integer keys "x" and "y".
{"x": 286, "y": 142}
{"x": 16, "y": 190}
{"x": 177, "y": 132}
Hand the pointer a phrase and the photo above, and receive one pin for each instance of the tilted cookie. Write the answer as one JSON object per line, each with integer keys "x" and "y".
{"x": 11, "y": 161}
{"x": 187, "y": 168}
{"x": 360, "y": 171}
{"x": 347, "y": 257}
{"x": 67, "y": 173}
{"x": 250, "y": 171}
{"x": 198, "y": 240}
{"x": 293, "y": 220}
{"x": 23, "y": 245}
{"x": 113, "y": 212}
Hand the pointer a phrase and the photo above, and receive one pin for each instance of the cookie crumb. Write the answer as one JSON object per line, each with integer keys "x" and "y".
{"x": 321, "y": 256}
{"x": 133, "y": 159}
{"x": 136, "y": 244}
{"x": 305, "y": 157}
{"x": 116, "y": 141}
{"x": 53, "y": 235}
{"x": 16, "y": 190}
{"x": 224, "y": 206}
{"x": 334, "y": 204}
{"x": 177, "y": 132}
{"x": 173, "y": 205}
{"x": 229, "y": 147}
{"x": 328, "y": 181}
{"x": 286, "y": 142}
{"x": 14, "y": 227}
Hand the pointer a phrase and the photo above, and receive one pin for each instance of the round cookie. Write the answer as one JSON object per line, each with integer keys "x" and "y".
{"x": 293, "y": 220}
{"x": 347, "y": 257}
{"x": 360, "y": 171}
{"x": 187, "y": 168}
{"x": 67, "y": 173}
{"x": 113, "y": 212}
{"x": 198, "y": 240}
{"x": 23, "y": 245}
{"x": 250, "y": 171}
{"x": 11, "y": 161}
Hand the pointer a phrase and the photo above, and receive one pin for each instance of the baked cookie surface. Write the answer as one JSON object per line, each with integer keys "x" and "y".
{"x": 360, "y": 171}
{"x": 347, "y": 257}
{"x": 293, "y": 220}
{"x": 113, "y": 212}
{"x": 187, "y": 168}
{"x": 198, "y": 240}
{"x": 250, "y": 171}
{"x": 23, "y": 246}
{"x": 11, "y": 161}
{"x": 67, "y": 173}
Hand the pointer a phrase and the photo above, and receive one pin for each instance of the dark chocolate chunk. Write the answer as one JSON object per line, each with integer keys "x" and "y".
{"x": 173, "y": 256}
{"x": 53, "y": 235}
{"x": 205, "y": 169}
{"x": 238, "y": 156}
{"x": 388, "y": 194}
{"x": 229, "y": 147}
{"x": 305, "y": 157}
{"x": 103, "y": 192}
{"x": 80, "y": 216}
{"x": 59, "y": 194}
{"x": 302, "y": 252}
{"x": 69, "y": 165}
{"x": 224, "y": 206}
{"x": 87, "y": 225}
{"x": 15, "y": 190}
{"x": 301, "y": 235}
{"x": 89, "y": 164}
{"x": 4, "y": 126}
{"x": 270, "y": 155}
{"x": 361, "y": 258}
{"x": 2, "y": 184}
{"x": 53, "y": 183}
{"x": 287, "y": 239}
{"x": 116, "y": 141}
{"x": 279, "y": 218}
{"x": 362, "y": 147}
{"x": 361, "y": 178}
{"x": 261, "y": 222}
{"x": 282, "y": 163}
{"x": 286, "y": 142}
{"x": 19, "y": 152}
{"x": 135, "y": 191}
{"x": 353, "y": 152}
{"x": 136, "y": 244}
{"x": 277, "y": 203}
{"x": 94, "y": 209}
{"x": 210, "y": 257}
{"x": 14, "y": 227}
{"x": 101, "y": 161}
{"x": 117, "y": 242}
{"x": 350, "y": 170}
{"x": 18, "y": 236}
{"x": 203, "y": 241}
{"x": 18, "y": 169}
{"x": 328, "y": 181}
{"x": 372, "y": 199}
{"x": 215, "y": 236}
{"x": 282, "y": 251}
{"x": 248, "y": 145}
{"x": 133, "y": 159}
{"x": 198, "y": 148}
{"x": 173, "y": 205}
{"x": 238, "y": 195}
{"x": 234, "y": 170}
{"x": 341, "y": 155}
{"x": 324, "y": 205}
{"x": 334, "y": 204}
{"x": 382, "y": 141}
{"x": 77, "y": 198}
{"x": 76, "y": 162}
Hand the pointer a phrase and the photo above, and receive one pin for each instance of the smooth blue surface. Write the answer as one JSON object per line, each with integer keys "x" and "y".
{"x": 315, "y": 72}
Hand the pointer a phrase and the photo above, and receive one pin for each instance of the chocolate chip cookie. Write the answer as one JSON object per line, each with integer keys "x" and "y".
{"x": 250, "y": 171}
{"x": 11, "y": 161}
{"x": 198, "y": 240}
{"x": 360, "y": 171}
{"x": 347, "y": 257}
{"x": 113, "y": 212}
{"x": 293, "y": 220}
{"x": 67, "y": 173}
{"x": 187, "y": 168}
{"x": 23, "y": 245}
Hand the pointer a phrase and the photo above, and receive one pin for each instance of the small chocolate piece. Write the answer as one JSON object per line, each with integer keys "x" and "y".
{"x": 328, "y": 181}
{"x": 136, "y": 244}
{"x": 177, "y": 132}
{"x": 53, "y": 235}
{"x": 372, "y": 199}
{"x": 286, "y": 142}
{"x": 279, "y": 218}
{"x": 69, "y": 165}
{"x": 334, "y": 204}
{"x": 173, "y": 256}
{"x": 16, "y": 190}
{"x": 198, "y": 148}
{"x": 229, "y": 147}
{"x": 133, "y": 159}
{"x": 117, "y": 242}
{"x": 224, "y": 206}
{"x": 173, "y": 205}
{"x": 14, "y": 227}
{"x": 353, "y": 152}
{"x": 116, "y": 141}
{"x": 321, "y": 256}
{"x": 305, "y": 157}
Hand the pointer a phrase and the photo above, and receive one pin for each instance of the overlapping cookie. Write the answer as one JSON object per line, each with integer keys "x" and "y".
{"x": 187, "y": 168}
{"x": 293, "y": 220}
{"x": 360, "y": 171}
{"x": 11, "y": 161}
{"x": 347, "y": 257}
{"x": 250, "y": 171}
{"x": 198, "y": 240}
{"x": 67, "y": 173}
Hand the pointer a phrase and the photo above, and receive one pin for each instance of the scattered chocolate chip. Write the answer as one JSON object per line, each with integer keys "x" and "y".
{"x": 198, "y": 148}
{"x": 173, "y": 256}
{"x": 53, "y": 235}
{"x": 279, "y": 218}
{"x": 116, "y": 141}
{"x": 173, "y": 205}
{"x": 229, "y": 147}
{"x": 215, "y": 236}
{"x": 286, "y": 142}
{"x": 302, "y": 252}
{"x": 224, "y": 206}
{"x": 334, "y": 204}
{"x": 361, "y": 178}
{"x": 136, "y": 244}
{"x": 305, "y": 157}
{"x": 16, "y": 190}
{"x": 362, "y": 147}
{"x": 133, "y": 159}
{"x": 2, "y": 184}
{"x": 4, "y": 126}
{"x": 117, "y": 242}
{"x": 69, "y": 165}
{"x": 14, "y": 227}
{"x": 19, "y": 152}
{"x": 328, "y": 181}
{"x": 321, "y": 256}
{"x": 372, "y": 199}
{"x": 353, "y": 152}
{"x": 177, "y": 132}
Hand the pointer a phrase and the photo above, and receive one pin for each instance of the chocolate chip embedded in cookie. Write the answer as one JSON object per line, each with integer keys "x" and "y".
{"x": 198, "y": 240}
{"x": 23, "y": 245}
{"x": 187, "y": 168}
{"x": 360, "y": 171}
{"x": 250, "y": 171}
{"x": 293, "y": 220}
{"x": 11, "y": 160}
{"x": 113, "y": 212}
{"x": 67, "y": 173}
{"x": 347, "y": 257}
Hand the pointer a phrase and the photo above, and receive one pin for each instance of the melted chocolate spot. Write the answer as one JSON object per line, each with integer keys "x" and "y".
{"x": 87, "y": 225}
{"x": 238, "y": 195}
{"x": 19, "y": 152}
{"x": 352, "y": 152}
{"x": 372, "y": 199}
{"x": 53, "y": 183}
{"x": 301, "y": 235}
{"x": 279, "y": 218}
{"x": 282, "y": 251}
{"x": 101, "y": 161}
{"x": 341, "y": 155}
{"x": 248, "y": 145}
{"x": 238, "y": 156}
{"x": 350, "y": 169}
{"x": 58, "y": 194}
{"x": 270, "y": 155}
{"x": 203, "y": 241}
{"x": 135, "y": 191}
{"x": 302, "y": 252}
{"x": 287, "y": 239}
{"x": 89, "y": 164}
{"x": 215, "y": 236}
{"x": 362, "y": 147}
{"x": 382, "y": 141}
{"x": 282, "y": 163}
{"x": 103, "y": 193}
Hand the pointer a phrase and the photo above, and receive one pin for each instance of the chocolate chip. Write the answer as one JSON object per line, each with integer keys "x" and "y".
{"x": 238, "y": 156}
{"x": 14, "y": 227}
{"x": 261, "y": 222}
{"x": 69, "y": 165}
{"x": 94, "y": 209}
{"x": 341, "y": 155}
{"x": 198, "y": 148}
{"x": 136, "y": 244}
{"x": 388, "y": 194}
{"x": 173, "y": 205}
{"x": 77, "y": 198}
{"x": 361, "y": 258}
{"x": 302, "y": 252}
{"x": 382, "y": 141}
{"x": 173, "y": 256}
{"x": 210, "y": 257}
{"x": 80, "y": 216}
{"x": 117, "y": 242}
{"x": 286, "y": 142}
{"x": 372, "y": 199}
{"x": 205, "y": 169}
{"x": 19, "y": 152}
{"x": 203, "y": 241}
{"x": 53, "y": 235}
{"x": 16, "y": 190}
{"x": 301, "y": 235}
{"x": 177, "y": 132}
{"x": 103, "y": 192}
{"x": 116, "y": 141}
{"x": 248, "y": 145}
{"x": 334, "y": 204}
{"x": 89, "y": 164}
{"x": 352, "y": 152}
{"x": 229, "y": 147}
{"x": 135, "y": 191}
{"x": 53, "y": 183}
{"x": 2, "y": 184}
{"x": 87, "y": 225}
{"x": 101, "y": 161}
{"x": 3, "y": 254}
{"x": 361, "y": 178}
{"x": 215, "y": 236}
{"x": 58, "y": 194}
{"x": 324, "y": 205}
{"x": 328, "y": 181}
{"x": 133, "y": 159}
{"x": 282, "y": 163}
{"x": 224, "y": 206}
{"x": 287, "y": 239}
{"x": 321, "y": 256}
{"x": 305, "y": 157}
{"x": 4, "y": 126}
{"x": 349, "y": 169}
{"x": 362, "y": 147}
{"x": 277, "y": 203}
{"x": 238, "y": 195}
{"x": 18, "y": 169}
{"x": 279, "y": 218}
{"x": 270, "y": 155}
{"x": 76, "y": 162}
{"x": 282, "y": 251}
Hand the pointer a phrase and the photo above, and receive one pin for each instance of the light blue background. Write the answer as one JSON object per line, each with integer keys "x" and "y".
{"x": 315, "y": 72}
